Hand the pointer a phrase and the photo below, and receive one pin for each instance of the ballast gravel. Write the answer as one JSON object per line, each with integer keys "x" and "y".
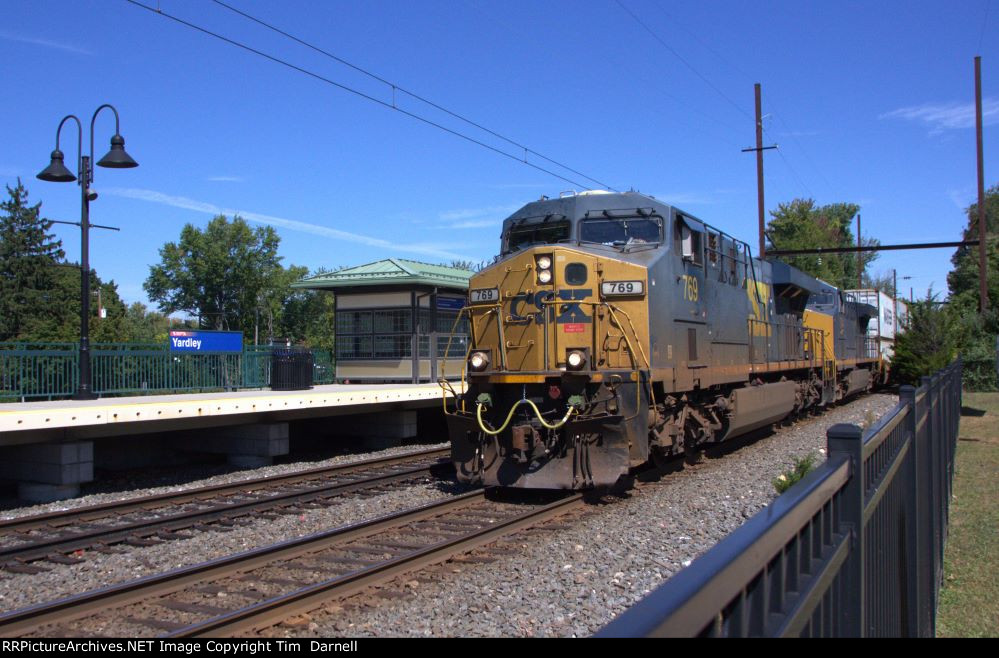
{"x": 129, "y": 563}
{"x": 195, "y": 476}
{"x": 571, "y": 581}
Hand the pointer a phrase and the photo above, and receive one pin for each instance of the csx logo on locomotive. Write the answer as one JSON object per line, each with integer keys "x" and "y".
{"x": 531, "y": 306}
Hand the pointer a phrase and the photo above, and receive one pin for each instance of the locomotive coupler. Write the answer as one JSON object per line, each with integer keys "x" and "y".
{"x": 523, "y": 439}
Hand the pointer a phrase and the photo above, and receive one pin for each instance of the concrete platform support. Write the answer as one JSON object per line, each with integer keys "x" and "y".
{"x": 48, "y": 471}
{"x": 380, "y": 430}
{"x": 245, "y": 446}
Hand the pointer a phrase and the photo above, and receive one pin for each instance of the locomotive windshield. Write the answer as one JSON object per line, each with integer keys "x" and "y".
{"x": 622, "y": 231}
{"x": 525, "y": 235}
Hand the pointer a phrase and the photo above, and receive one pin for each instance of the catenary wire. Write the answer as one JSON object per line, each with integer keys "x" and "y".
{"x": 361, "y": 94}
{"x": 746, "y": 75}
{"x": 690, "y": 66}
{"x": 411, "y": 94}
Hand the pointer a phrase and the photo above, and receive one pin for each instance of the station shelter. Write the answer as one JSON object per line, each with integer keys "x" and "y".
{"x": 394, "y": 319}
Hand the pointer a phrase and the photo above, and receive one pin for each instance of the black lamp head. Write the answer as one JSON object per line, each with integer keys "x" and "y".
{"x": 116, "y": 157}
{"x": 56, "y": 172}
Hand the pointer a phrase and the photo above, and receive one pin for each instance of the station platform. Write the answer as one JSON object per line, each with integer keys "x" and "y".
{"x": 47, "y": 447}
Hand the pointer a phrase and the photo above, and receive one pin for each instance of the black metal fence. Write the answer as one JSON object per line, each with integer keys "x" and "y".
{"x": 854, "y": 549}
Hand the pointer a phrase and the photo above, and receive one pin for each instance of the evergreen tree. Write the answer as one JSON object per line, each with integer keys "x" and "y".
{"x": 928, "y": 344}
{"x": 29, "y": 255}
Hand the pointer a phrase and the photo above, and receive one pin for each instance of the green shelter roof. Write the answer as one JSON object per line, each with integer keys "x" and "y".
{"x": 391, "y": 271}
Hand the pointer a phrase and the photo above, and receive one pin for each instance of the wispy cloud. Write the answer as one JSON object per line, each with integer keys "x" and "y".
{"x": 68, "y": 47}
{"x": 947, "y": 116}
{"x": 476, "y": 217}
{"x": 469, "y": 213}
{"x": 962, "y": 197}
{"x": 520, "y": 186}
{"x": 435, "y": 250}
{"x": 474, "y": 223}
{"x": 692, "y": 198}
{"x": 225, "y": 179}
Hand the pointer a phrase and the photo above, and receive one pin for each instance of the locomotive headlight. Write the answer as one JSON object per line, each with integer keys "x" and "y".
{"x": 544, "y": 276}
{"x": 544, "y": 262}
{"x": 478, "y": 361}
{"x": 575, "y": 360}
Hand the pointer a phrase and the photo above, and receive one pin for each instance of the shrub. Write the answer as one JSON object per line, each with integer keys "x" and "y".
{"x": 801, "y": 468}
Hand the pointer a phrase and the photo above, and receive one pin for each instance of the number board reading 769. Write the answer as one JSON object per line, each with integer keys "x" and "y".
{"x": 622, "y": 288}
{"x": 483, "y": 295}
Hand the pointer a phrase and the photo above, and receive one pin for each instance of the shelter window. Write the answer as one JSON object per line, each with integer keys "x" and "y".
{"x": 353, "y": 322}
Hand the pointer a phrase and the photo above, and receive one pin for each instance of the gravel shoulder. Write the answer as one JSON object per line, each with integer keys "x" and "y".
{"x": 573, "y": 579}
{"x": 569, "y": 579}
{"x": 194, "y": 476}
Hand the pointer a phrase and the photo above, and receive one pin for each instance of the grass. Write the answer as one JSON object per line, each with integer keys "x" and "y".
{"x": 969, "y": 599}
{"x": 801, "y": 468}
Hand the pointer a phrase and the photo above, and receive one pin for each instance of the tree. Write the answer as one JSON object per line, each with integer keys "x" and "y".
{"x": 218, "y": 274}
{"x": 28, "y": 263}
{"x": 801, "y": 224}
{"x": 883, "y": 281}
{"x": 464, "y": 265}
{"x": 145, "y": 326}
{"x": 962, "y": 281}
{"x": 928, "y": 344}
{"x": 274, "y": 300}
{"x": 57, "y": 318}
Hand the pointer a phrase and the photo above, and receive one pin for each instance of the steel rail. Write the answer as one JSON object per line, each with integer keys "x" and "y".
{"x": 40, "y": 618}
{"x": 178, "y": 521}
{"x": 273, "y": 611}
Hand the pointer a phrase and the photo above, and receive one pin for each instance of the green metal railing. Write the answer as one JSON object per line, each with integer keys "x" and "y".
{"x": 51, "y": 370}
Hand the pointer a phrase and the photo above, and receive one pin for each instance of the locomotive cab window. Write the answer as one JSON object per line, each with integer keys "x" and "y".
{"x": 691, "y": 245}
{"x": 525, "y": 235}
{"x": 623, "y": 231}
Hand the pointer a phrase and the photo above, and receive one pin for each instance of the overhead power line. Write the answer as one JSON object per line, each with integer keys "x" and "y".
{"x": 392, "y": 106}
{"x": 735, "y": 67}
{"x": 411, "y": 94}
{"x": 680, "y": 57}
{"x": 665, "y": 44}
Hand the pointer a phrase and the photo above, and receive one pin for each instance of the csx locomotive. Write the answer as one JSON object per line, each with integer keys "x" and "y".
{"x": 614, "y": 329}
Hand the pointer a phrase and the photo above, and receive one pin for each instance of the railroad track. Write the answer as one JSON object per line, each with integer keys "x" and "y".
{"x": 61, "y": 537}
{"x": 249, "y": 592}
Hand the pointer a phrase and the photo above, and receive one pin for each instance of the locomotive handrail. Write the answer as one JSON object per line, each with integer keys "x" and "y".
{"x": 631, "y": 350}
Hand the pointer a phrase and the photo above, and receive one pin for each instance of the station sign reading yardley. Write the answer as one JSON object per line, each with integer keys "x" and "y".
{"x": 206, "y": 341}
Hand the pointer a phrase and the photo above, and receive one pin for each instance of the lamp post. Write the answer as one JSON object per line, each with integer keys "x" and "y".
{"x": 57, "y": 172}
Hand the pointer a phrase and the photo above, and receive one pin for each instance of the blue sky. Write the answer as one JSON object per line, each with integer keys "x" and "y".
{"x": 870, "y": 102}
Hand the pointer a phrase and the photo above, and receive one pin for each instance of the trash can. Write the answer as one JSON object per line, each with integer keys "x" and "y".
{"x": 291, "y": 369}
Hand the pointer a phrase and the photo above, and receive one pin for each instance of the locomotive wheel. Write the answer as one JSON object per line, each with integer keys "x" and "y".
{"x": 659, "y": 459}
{"x": 693, "y": 456}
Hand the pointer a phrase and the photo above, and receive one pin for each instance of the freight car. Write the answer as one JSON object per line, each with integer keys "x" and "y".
{"x": 613, "y": 329}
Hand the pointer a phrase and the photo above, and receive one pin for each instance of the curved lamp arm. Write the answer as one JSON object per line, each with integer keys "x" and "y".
{"x": 90, "y": 174}
{"x": 79, "y": 144}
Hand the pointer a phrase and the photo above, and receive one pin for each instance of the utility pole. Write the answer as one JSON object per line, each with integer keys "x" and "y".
{"x": 860, "y": 261}
{"x": 759, "y": 166}
{"x": 983, "y": 297}
{"x": 894, "y": 297}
